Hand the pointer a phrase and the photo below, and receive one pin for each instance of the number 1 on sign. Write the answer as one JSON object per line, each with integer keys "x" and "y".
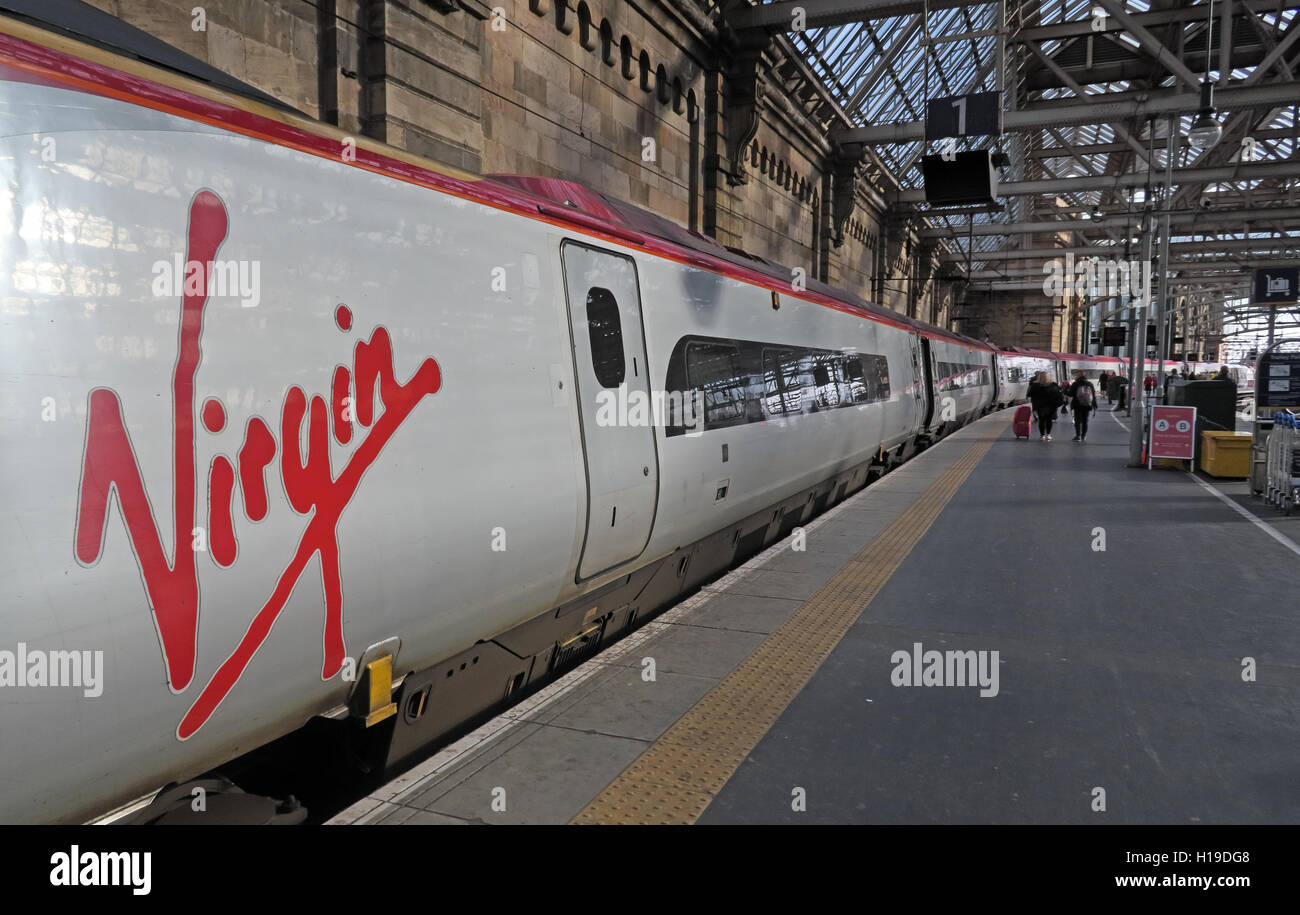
{"x": 960, "y": 105}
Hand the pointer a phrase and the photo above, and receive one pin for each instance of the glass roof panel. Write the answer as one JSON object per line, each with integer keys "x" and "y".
{"x": 883, "y": 70}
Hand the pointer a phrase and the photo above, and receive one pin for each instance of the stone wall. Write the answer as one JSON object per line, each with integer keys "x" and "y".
{"x": 640, "y": 100}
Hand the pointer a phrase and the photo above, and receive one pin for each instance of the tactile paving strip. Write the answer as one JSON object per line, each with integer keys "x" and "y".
{"x": 677, "y": 777}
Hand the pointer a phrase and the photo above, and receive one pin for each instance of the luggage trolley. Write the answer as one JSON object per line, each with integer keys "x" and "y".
{"x": 1283, "y": 490}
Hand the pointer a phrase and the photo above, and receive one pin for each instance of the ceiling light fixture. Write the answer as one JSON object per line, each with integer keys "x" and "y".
{"x": 1205, "y": 130}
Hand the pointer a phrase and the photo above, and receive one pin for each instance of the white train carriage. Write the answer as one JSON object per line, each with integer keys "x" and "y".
{"x": 285, "y": 412}
{"x": 1091, "y": 366}
{"x": 1016, "y": 369}
{"x": 962, "y": 377}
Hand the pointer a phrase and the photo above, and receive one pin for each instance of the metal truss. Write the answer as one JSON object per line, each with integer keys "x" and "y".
{"x": 1089, "y": 103}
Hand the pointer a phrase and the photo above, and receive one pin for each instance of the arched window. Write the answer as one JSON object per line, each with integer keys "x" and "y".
{"x": 607, "y": 46}
{"x": 629, "y": 58}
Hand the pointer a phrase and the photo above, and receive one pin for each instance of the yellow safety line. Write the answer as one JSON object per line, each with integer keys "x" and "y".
{"x": 680, "y": 774}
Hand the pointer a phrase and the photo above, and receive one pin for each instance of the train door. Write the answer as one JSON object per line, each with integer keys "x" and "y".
{"x": 612, "y": 374}
{"x": 926, "y": 378}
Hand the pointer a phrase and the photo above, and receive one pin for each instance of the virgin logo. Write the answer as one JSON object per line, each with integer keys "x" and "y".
{"x": 171, "y": 583}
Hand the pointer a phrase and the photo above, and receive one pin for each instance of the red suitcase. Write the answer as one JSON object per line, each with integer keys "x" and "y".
{"x": 1024, "y": 415}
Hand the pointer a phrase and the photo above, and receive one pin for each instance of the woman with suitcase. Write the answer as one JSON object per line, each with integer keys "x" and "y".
{"x": 1046, "y": 397}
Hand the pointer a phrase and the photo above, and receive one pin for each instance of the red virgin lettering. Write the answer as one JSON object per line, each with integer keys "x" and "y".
{"x": 255, "y": 454}
{"x": 221, "y": 522}
{"x": 110, "y": 468}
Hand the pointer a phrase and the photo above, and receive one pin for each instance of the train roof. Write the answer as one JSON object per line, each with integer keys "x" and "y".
{"x": 1093, "y": 356}
{"x": 578, "y": 199}
{"x": 1036, "y": 353}
{"x": 223, "y": 100}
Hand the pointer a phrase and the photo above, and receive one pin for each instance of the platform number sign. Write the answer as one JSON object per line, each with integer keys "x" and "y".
{"x": 973, "y": 115}
{"x": 1173, "y": 433}
{"x": 1276, "y": 286}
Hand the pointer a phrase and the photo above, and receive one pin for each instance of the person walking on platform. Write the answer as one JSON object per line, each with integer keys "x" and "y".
{"x": 1169, "y": 382}
{"x": 1121, "y": 390}
{"x": 1083, "y": 400}
{"x": 1223, "y": 374}
{"x": 1046, "y": 397}
{"x": 1108, "y": 385}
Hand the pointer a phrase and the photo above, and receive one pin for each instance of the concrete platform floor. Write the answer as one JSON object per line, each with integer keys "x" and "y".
{"x": 1163, "y": 670}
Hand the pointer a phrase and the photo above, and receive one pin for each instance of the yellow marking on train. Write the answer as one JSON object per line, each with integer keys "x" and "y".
{"x": 380, "y": 681}
{"x": 680, "y": 774}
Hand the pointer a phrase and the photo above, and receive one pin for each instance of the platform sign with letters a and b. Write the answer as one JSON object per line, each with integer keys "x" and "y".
{"x": 1173, "y": 433}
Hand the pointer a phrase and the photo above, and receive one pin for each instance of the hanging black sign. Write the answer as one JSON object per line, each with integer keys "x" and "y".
{"x": 1114, "y": 336}
{"x": 973, "y": 115}
{"x": 1276, "y": 286}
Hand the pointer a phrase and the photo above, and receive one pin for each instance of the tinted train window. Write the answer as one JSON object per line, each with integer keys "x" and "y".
{"x": 879, "y": 378}
{"x": 827, "y": 378}
{"x": 606, "y": 333}
{"x": 856, "y": 380}
{"x": 783, "y": 380}
{"x": 715, "y": 370}
{"x": 953, "y": 376}
{"x": 743, "y": 381}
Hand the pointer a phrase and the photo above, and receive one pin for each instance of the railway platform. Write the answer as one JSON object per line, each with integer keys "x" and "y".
{"x": 999, "y": 631}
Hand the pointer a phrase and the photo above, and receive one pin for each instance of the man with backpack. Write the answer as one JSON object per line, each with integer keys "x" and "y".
{"x": 1083, "y": 400}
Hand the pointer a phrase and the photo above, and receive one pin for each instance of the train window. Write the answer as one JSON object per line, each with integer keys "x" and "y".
{"x": 714, "y": 369}
{"x": 785, "y": 378}
{"x": 880, "y": 389}
{"x": 955, "y": 376}
{"x": 830, "y": 378}
{"x": 772, "y": 386}
{"x": 946, "y": 381}
{"x": 743, "y": 381}
{"x": 606, "y": 332}
{"x": 859, "y": 392}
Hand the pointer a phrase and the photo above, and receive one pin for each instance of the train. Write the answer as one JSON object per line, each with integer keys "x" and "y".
{"x": 1017, "y": 366}
{"x": 297, "y": 427}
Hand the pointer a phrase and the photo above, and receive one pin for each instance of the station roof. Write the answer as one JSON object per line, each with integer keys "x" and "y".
{"x": 1113, "y": 72}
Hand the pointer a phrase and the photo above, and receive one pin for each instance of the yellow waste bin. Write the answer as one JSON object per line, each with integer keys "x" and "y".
{"x": 1225, "y": 454}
